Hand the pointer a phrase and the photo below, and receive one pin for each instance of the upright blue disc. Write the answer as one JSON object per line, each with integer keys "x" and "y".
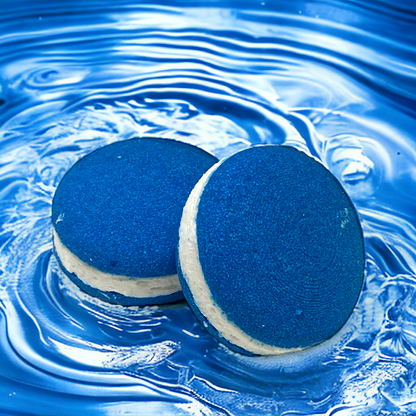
{"x": 118, "y": 209}
{"x": 280, "y": 247}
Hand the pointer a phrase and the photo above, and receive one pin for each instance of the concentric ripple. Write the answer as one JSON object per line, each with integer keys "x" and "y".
{"x": 334, "y": 78}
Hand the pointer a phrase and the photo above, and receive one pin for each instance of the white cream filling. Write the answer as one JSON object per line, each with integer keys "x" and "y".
{"x": 194, "y": 277}
{"x": 137, "y": 287}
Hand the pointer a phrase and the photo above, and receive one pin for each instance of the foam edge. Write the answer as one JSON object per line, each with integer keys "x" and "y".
{"x": 193, "y": 276}
{"x": 134, "y": 287}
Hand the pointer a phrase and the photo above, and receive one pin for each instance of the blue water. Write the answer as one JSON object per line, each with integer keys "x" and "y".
{"x": 335, "y": 78}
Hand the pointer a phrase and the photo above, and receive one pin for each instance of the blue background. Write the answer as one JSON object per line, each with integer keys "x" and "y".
{"x": 334, "y": 78}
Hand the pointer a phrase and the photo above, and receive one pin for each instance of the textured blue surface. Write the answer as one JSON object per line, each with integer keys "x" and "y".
{"x": 118, "y": 209}
{"x": 281, "y": 246}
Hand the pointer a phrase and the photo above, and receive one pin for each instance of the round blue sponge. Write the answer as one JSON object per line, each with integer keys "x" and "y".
{"x": 271, "y": 254}
{"x": 116, "y": 215}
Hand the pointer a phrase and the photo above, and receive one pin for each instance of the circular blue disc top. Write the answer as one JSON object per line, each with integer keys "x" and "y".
{"x": 271, "y": 252}
{"x": 116, "y": 215}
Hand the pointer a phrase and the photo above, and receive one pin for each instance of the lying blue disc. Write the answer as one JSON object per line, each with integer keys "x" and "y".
{"x": 271, "y": 253}
{"x": 116, "y": 215}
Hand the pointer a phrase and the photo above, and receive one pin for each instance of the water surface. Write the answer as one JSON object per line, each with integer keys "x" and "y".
{"x": 334, "y": 78}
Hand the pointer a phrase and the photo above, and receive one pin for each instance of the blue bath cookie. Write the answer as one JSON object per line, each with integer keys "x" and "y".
{"x": 271, "y": 254}
{"x": 116, "y": 215}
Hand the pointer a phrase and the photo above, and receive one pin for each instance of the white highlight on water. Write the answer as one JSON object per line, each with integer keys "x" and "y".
{"x": 137, "y": 287}
{"x": 194, "y": 277}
